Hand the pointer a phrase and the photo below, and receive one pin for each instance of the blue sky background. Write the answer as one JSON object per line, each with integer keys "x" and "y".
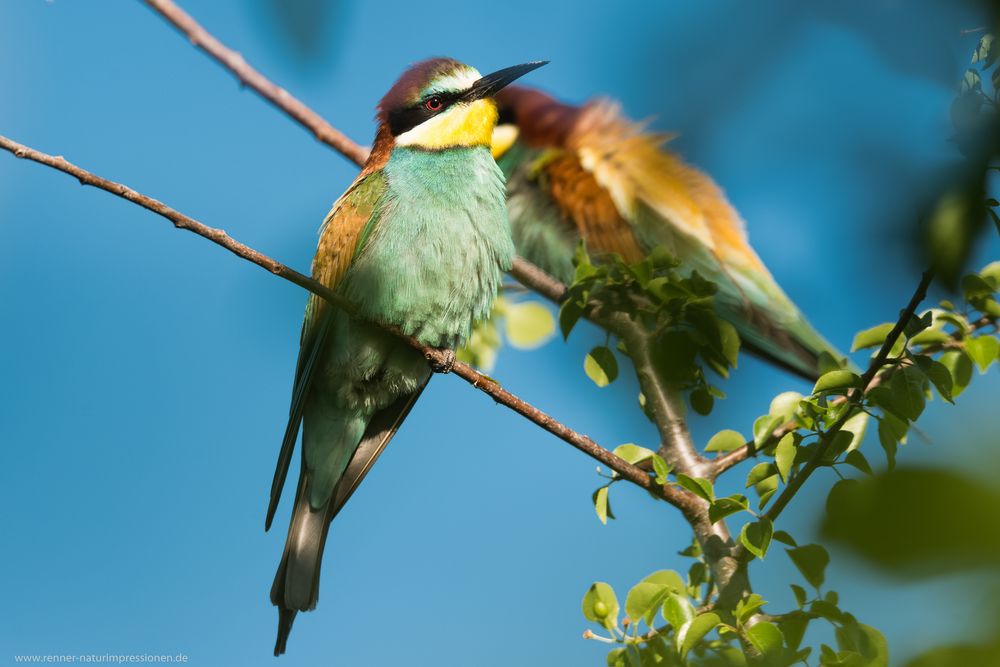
{"x": 146, "y": 372}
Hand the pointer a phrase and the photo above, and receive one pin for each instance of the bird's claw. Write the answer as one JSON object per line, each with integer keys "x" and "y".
{"x": 445, "y": 365}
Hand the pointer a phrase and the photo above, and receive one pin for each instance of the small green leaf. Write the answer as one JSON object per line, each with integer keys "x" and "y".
{"x": 838, "y": 381}
{"x": 784, "y": 405}
{"x": 873, "y": 337}
{"x": 991, "y": 274}
{"x": 907, "y": 387}
{"x": 600, "y": 498}
{"x": 645, "y": 599}
{"x": 702, "y": 401}
{"x": 766, "y": 638}
{"x": 723, "y": 507}
{"x": 975, "y": 286}
{"x": 938, "y": 374}
{"x": 891, "y": 430}
{"x": 569, "y": 314}
{"x": 601, "y": 366}
{"x": 698, "y": 486}
{"x": 597, "y": 595}
{"x": 765, "y": 489}
{"x": 763, "y": 427}
{"x": 983, "y": 350}
{"x": 529, "y": 324}
{"x": 865, "y": 641}
{"x": 760, "y": 472}
{"x": 748, "y": 606}
{"x": 730, "y": 341}
{"x": 800, "y": 595}
{"x": 811, "y": 560}
{"x": 633, "y": 453}
{"x": 959, "y": 365}
{"x": 695, "y": 630}
{"x": 661, "y": 468}
{"x": 785, "y": 538}
{"x": 857, "y": 459}
{"x": 677, "y": 610}
{"x": 784, "y": 455}
{"x": 725, "y": 441}
{"x": 793, "y": 627}
{"x": 756, "y": 536}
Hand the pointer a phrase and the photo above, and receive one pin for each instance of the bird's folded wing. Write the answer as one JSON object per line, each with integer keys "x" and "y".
{"x": 379, "y": 432}
{"x": 341, "y": 236}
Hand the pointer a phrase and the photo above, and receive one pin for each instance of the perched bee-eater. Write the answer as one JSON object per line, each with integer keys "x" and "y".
{"x": 588, "y": 172}
{"x": 419, "y": 241}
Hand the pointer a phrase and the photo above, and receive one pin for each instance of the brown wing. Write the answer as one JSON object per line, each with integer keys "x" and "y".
{"x": 582, "y": 200}
{"x": 343, "y": 228}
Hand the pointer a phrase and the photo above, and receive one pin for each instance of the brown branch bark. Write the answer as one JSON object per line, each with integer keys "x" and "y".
{"x": 438, "y": 357}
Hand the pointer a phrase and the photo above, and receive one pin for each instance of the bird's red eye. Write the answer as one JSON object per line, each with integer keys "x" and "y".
{"x": 434, "y": 104}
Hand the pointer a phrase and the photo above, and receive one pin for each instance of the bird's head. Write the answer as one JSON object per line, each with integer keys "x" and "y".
{"x": 441, "y": 103}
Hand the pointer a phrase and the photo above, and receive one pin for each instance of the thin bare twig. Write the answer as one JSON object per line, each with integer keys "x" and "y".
{"x": 854, "y": 396}
{"x": 438, "y": 357}
{"x": 723, "y": 463}
{"x": 250, "y": 77}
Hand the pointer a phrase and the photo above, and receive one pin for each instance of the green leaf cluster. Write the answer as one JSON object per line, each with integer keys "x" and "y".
{"x": 676, "y": 307}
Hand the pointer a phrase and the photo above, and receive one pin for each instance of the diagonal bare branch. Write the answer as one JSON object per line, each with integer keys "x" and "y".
{"x": 250, "y": 77}
{"x": 482, "y": 382}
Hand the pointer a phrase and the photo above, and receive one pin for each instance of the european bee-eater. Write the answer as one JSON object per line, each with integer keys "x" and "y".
{"x": 588, "y": 172}
{"x": 420, "y": 241}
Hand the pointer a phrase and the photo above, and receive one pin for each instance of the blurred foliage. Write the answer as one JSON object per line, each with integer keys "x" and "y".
{"x": 311, "y": 28}
{"x": 959, "y": 217}
{"x": 526, "y": 324}
{"x": 918, "y": 521}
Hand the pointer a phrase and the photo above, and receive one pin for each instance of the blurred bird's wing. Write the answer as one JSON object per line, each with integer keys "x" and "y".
{"x": 341, "y": 236}
{"x": 667, "y": 202}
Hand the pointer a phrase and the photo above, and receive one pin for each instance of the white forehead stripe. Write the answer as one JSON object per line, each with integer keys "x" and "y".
{"x": 461, "y": 80}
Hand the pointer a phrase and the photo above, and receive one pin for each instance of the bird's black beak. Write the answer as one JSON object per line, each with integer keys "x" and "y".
{"x": 490, "y": 84}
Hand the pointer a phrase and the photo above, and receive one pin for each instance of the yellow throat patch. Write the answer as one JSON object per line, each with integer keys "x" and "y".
{"x": 461, "y": 125}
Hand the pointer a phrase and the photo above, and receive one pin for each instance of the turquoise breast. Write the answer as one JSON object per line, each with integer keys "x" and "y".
{"x": 434, "y": 260}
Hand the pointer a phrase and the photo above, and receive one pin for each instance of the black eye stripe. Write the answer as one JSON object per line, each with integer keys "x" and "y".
{"x": 407, "y": 118}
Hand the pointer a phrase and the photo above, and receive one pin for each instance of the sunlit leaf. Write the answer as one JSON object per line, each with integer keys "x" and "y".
{"x": 873, "y": 337}
{"x": 725, "y": 441}
{"x": 601, "y": 366}
{"x": 698, "y": 486}
{"x": 784, "y": 455}
{"x": 529, "y": 324}
{"x": 695, "y": 630}
{"x": 600, "y": 605}
{"x": 756, "y": 536}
